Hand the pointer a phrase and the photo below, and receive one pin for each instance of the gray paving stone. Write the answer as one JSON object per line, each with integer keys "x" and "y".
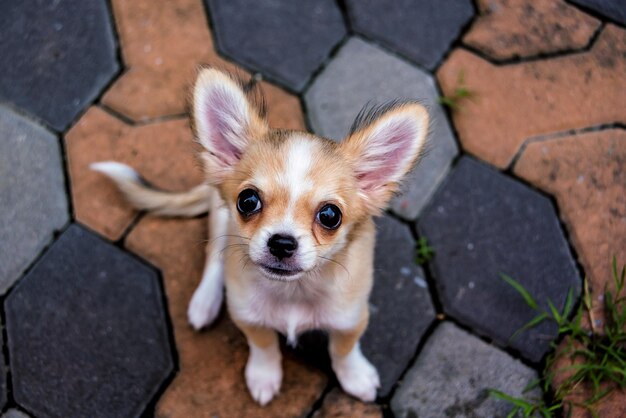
{"x": 362, "y": 73}
{"x": 613, "y": 9}
{"x": 421, "y": 30}
{"x": 400, "y": 307}
{"x": 33, "y": 203}
{"x": 15, "y": 413}
{"x": 56, "y": 56}
{"x": 481, "y": 224}
{"x": 3, "y": 376}
{"x": 452, "y": 375}
{"x": 286, "y": 40}
{"x": 87, "y": 332}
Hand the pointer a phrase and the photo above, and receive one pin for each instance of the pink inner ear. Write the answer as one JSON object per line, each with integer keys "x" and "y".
{"x": 387, "y": 154}
{"x": 221, "y": 116}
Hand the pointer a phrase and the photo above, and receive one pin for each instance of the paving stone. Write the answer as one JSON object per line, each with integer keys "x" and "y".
{"x": 283, "y": 109}
{"x": 211, "y": 381}
{"x": 339, "y": 405}
{"x": 284, "y": 40}
{"x": 613, "y": 9}
{"x": 400, "y": 307}
{"x": 421, "y": 30}
{"x": 161, "y": 152}
{"x": 56, "y": 56}
{"x": 482, "y": 224}
{"x": 515, "y": 102}
{"x": 362, "y": 73}
{"x": 15, "y": 413}
{"x": 508, "y": 29}
{"x": 33, "y": 204}
{"x": 452, "y": 375}
{"x": 163, "y": 42}
{"x": 611, "y": 405}
{"x": 87, "y": 332}
{"x": 3, "y": 379}
{"x": 587, "y": 175}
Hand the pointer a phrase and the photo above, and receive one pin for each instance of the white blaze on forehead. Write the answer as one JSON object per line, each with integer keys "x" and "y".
{"x": 298, "y": 162}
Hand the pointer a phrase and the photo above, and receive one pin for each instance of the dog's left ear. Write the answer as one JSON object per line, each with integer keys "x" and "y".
{"x": 225, "y": 121}
{"x": 383, "y": 147}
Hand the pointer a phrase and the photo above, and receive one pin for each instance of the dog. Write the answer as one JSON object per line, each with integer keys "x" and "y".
{"x": 291, "y": 231}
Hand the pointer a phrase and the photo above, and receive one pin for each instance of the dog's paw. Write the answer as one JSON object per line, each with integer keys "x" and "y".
{"x": 263, "y": 379}
{"x": 203, "y": 308}
{"x": 357, "y": 376}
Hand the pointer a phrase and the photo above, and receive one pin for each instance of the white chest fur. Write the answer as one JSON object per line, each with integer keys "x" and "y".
{"x": 294, "y": 307}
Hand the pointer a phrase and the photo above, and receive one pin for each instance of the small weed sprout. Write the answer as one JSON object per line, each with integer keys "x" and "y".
{"x": 597, "y": 356}
{"x": 461, "y": 92}
{"x": 423, "y": 251}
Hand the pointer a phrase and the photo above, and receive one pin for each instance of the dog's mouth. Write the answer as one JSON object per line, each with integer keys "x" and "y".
{"x": 278, "y": 273}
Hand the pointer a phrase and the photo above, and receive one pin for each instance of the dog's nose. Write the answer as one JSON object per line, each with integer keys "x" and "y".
{"x": 282, "y": 246}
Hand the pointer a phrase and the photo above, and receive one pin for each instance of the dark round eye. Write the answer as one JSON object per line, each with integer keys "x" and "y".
{"x": 248, "y": 202}
{"x": 329, "y": 216}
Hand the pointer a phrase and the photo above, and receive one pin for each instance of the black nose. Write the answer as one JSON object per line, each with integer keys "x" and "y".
{"x": 282, "y": 246}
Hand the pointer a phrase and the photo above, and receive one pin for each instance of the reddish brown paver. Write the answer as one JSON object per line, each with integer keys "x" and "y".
{"x": 612, "y": 405}
{"x": 210, "y": 381}
{"x": 587, "y": 175}
{"x": 284, "y": 109}
{"x": 161, "y": 152}
{"x": 339, "y": 405}
{"x": 162, "y": 43}
{"x": 523, "y": 28}
{"x": 514, "y": 102}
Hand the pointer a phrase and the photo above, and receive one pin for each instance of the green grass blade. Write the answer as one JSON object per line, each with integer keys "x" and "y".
{"x": 530, "y": 301}
{"x": 530, "y": 324}
{"x": 555, "y": 312}
{"x": 569, "y": 303}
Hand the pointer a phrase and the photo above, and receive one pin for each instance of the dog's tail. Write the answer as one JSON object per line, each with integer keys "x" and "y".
{"x": 144, "y": 197}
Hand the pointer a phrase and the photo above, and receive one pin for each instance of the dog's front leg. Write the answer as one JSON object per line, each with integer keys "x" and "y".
{"x": 355, "y": 373}
{"x": 207, "y": 299}
{"x": 264, "y": 372}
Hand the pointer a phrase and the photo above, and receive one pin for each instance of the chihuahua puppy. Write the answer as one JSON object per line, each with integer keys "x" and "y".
{"x": 291, "y": 234}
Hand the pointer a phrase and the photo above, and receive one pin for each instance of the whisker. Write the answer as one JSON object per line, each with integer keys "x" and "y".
{"x": 338, "y": 263}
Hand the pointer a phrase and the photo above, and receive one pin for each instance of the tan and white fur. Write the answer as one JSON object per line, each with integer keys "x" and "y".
{"x": 311, "y": 276}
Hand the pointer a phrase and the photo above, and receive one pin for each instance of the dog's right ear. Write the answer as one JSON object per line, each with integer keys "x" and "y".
{"x": 224, "y": 120}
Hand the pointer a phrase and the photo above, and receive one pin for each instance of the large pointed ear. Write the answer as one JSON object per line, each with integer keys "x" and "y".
{"x": 225, "y": 121}
{"x": 383, "y": 146}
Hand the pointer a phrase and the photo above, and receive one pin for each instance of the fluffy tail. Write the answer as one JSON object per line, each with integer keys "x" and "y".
{"x": 187, "y": 204}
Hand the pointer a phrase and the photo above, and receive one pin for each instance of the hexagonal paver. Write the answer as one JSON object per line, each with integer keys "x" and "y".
{"x": 87, "y": 332}
{"x": 613, "y": 9}
{"x": 339, "y": 405}
{"x": 56, "y": 56}
{"x": 284, "y": 40}
{"x": 400, "y": 307}
{"x": 161, "y": 152}
{"x": 512, "y": 103}
{"x": 3, "y": 376}
{"x": 211, "y": 380}
{"x": 482, "y": 224}
{"x": 452, "y": 377}
{"x": 362, "y": 73}
{"x": 33, "y": 204}
{"x": 163, "y": 42}
{"x": 14, "y": 413}
{"x": 587, "y": 175}
{"x": 508, "y": 29}
{"x": 421, "y": 30}
{"x": 283, "y": 109}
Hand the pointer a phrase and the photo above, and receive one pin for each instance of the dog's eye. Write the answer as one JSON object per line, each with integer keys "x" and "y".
{"x": 329, "y": 216}
{"x": 248, "y": 202}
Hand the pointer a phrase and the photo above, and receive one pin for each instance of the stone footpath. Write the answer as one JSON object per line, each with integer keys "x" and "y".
{"x": 525, "y": 177}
